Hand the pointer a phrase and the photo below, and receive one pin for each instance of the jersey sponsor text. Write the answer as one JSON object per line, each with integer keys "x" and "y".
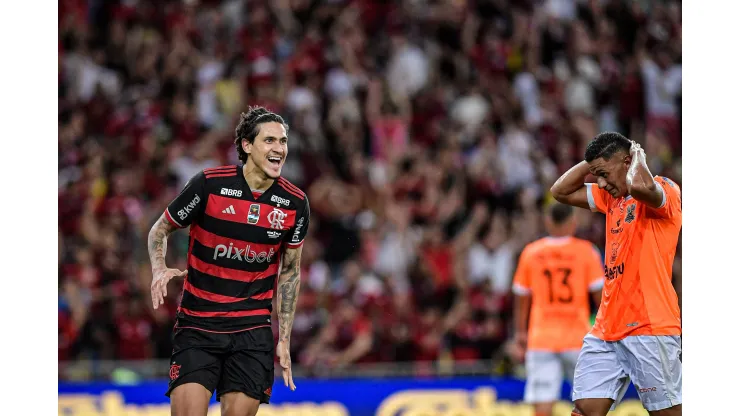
{"x": 279, "y": 200}
{"x": 183, "y": 213}
{"x": 231, "y": 192}
{"x": 297, "y": 233}
{"x": 244, "y": 254}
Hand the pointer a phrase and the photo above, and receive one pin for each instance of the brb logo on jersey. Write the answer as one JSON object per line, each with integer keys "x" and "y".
{"x": 183, "y": 213}
{"x": 245, "y": 254}
{"x": 277, "y": 219}
{"x": 231, "y": 192}
{"x": 280, "y": 201}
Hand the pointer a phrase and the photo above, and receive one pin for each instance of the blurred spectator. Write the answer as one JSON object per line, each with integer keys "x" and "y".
{"x": 426, "y": 134}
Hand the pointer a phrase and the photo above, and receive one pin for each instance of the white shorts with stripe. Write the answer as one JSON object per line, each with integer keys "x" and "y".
{"x": 653, "y": 363}
{"x": 546, "y": 371}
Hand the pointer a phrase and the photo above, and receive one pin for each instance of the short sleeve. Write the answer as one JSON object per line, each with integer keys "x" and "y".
{"x": 522, "y": 284}
{"x": 298, "y": 232}
{"x": 671, "y": 205}
{"x": 594, "y": 269}
{"x": 598, "y": 199}
{"x": 190, "y": 204}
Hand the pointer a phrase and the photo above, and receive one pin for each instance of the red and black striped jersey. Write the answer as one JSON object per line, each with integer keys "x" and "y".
{"x": 236, "y": 238}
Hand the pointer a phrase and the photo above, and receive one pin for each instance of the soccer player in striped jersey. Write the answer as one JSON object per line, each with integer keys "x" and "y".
{"x": 247, "y": 226}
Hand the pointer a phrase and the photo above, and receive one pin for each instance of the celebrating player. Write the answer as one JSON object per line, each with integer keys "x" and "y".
{"x": 638, "y": 327}
{"x": 554, "y": 278}
{"x": 242, "y": 219}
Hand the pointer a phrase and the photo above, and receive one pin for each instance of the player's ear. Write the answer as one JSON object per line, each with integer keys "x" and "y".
{"x": 247, "y": 146}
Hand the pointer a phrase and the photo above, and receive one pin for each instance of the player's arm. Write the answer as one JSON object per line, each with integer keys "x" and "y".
{"x": 596, "y": 296}
{"x": 288, "y": 287}
{"x": 595, "y": 288}
{"x": 161, "y": 274}
{"x": 595, "y": 272}
{"x": 289, "y": 283}
{"x": 522, "y": 289}
{"x": 522, "y": 305}
{"x": 188, "y": 205}
{"x": 157, "y": 242}
{"x": 640, "y": 182}
{"x": 570, "y": 189}
{"x": 290, "y": 274}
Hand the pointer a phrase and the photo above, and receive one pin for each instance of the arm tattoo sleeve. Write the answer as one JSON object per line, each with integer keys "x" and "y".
{"x": 288, "y": 286}
{"x": 157, "y": 242}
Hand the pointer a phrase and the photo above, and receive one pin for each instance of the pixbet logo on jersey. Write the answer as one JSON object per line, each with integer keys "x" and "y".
{"x": 183, "y": 213}
{"x": 242, "y": 254}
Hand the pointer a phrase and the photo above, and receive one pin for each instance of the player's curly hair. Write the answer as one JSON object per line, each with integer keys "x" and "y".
{"x": 248, "y": 127}
{"x": 606, "y": 144}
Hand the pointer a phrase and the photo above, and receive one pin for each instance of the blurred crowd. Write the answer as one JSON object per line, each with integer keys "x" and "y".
{"x": 426, "y": 134}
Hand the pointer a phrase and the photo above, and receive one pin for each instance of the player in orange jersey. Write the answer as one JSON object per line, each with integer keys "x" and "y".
{"x": 637, "y": 334}
{"x": 553, "y": 280}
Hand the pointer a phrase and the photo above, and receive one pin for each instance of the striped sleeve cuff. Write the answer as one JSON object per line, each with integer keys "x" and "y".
{"x": 596, "y": 285}
{"x": 172, "y": 220}
{"x": 590, "y": 197}
{"x": 296, "y": 245}
{"x": 662, "y": 192}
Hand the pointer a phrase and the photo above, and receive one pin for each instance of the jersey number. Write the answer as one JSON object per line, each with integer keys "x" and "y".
{"x": 563, "y": 274}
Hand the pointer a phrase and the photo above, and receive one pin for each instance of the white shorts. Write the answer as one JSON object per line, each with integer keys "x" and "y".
{"x": 545, "y": 373}
{"x": 653, "y": 363}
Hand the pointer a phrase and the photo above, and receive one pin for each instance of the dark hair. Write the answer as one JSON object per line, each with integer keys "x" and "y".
{"x": 559, "y": 213}
{"x": 606, "y": 144}
{"x": 248, "y": 127}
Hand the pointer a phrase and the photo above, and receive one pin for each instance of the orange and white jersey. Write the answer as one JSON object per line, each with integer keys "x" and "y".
{"x": 638, "y": 296}
{"x": 559, "y": 273}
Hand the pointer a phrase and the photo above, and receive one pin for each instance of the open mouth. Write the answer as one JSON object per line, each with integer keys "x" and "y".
{"x": 275, "y": 161}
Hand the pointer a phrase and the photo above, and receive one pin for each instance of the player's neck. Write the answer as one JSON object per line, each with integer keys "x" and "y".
{"x": 255, "y": 177}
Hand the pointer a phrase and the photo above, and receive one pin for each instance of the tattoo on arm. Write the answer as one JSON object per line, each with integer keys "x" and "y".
{"x": 157, "y": 242}
{"x": 288, "y": 287}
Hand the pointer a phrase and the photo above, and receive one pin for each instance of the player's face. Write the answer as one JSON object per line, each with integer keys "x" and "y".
{"x": 270, "y": 148}
{"x": 611, "y": 175}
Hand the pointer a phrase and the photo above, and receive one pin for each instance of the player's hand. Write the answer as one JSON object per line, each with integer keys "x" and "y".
{"x": 635, "y": 148}
{"x": 159, "y": 284}
{"x": 521, "y": 339}
{"x": 283, "y": 353}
